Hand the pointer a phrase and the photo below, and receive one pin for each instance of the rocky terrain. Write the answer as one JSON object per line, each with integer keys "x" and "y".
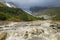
{"x": 34, "y": 30}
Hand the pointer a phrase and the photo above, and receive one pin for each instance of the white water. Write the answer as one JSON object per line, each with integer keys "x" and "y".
{"x": 31, "y": 31}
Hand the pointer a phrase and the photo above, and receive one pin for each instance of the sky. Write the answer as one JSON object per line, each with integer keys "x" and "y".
{"x": 29, "y": 3}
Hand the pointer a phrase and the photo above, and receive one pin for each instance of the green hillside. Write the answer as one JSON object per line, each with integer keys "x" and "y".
{"x": 51, "y": 12}
{"x": 14, "y": 14}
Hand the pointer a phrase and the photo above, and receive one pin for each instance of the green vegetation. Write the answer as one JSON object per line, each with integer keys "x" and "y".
{"x": 14, "y": 14}
{"x": 53, "y": 12}
{"x": 42, "y": 18}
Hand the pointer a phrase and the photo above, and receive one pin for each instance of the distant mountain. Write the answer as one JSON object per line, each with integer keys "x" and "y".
{"x": 54, "y": 12}
{"x": 8, "y": 13}
{"x": 36, "y": 9}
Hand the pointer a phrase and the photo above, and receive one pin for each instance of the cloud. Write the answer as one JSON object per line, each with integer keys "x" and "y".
{"x": 28, "y": 3}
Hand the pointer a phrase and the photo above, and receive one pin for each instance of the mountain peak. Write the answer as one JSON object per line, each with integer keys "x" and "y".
{"x": 9, "y": 4}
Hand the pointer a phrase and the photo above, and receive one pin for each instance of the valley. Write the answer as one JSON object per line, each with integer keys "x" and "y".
{"x": 43, "y": 23}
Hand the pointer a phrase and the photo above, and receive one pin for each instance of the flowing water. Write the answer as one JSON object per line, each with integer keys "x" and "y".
{"x": 36, "y": 30}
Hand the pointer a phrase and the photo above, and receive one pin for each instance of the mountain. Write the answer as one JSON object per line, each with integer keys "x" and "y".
{"x": 1, "y": 4}
{"x": 36, "y": 9}
{"x": 53, "y": 12}
{"x": 10, "y": 4}
{"x": 14, "y": 14}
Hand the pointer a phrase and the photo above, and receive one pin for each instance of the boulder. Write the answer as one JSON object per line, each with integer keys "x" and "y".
{"x": 3, "y": 35}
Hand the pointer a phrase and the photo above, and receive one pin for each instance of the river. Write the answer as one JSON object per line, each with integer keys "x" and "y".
{"x": 35, "y": 30}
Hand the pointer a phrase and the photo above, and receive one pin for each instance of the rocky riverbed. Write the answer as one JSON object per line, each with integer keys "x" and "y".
{"x": 35, "y": 30}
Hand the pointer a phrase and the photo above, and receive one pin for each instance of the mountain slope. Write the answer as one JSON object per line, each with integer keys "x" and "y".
{"x": 14, "y": 14}
{"x": 53, "y": 12}
{"x": 1, "y": 4}
{"x": 10, "y": 4}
